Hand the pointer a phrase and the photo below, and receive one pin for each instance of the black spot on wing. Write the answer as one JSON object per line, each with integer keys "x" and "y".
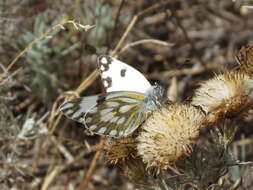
{"x": 104, "y": 65}
{"x": 123, "y": 72}
{"x": 101, "y": 98}
{"x": 107, "y": 82}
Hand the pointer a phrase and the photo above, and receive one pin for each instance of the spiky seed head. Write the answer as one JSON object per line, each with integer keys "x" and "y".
{"x": 169, "y": 134}
{"x": 226, "y": 95}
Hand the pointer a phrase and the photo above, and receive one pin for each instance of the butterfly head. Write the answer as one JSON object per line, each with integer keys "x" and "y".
{"x": 155, "y": 96}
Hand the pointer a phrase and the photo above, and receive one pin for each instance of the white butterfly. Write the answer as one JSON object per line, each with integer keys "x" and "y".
{"x": 127, "y": 103}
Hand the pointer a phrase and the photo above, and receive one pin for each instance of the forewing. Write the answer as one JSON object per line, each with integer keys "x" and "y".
{"x": 115, "y": 114}
{"x": 118, "y": 76}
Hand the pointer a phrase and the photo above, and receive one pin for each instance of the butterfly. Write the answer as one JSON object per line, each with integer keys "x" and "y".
{"x": 128, "y": 101}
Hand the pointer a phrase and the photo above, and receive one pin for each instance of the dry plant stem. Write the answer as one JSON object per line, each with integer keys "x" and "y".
{"x": 114, "y": 30}
{"x": 243, "y": 142}
{"x": 49, "y": 178}
{"x": 178, "y": 22}
{"x": 237, "y": 184}
{"x": 242, "y": 164}
{"x": 223, "y": 14}
{"x": 196, "y": 185}
{"x": 8, "y": 77}
{"x": 139, "y": 42}
{"x": 62, "y": 149}
{"x": 172, "y": 92}
{"x": 58, "y": 169}
{"x": 87, "y": 82}
{"x": 190, "y": 71}
{"x": 132, "y": 23}
{"x": 175, "y": 170}
{"x": 130, "y": 26}
{"x": 92, "y": 167}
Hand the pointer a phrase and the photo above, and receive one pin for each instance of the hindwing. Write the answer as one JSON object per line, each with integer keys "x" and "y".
{"x": 114, "y": 114}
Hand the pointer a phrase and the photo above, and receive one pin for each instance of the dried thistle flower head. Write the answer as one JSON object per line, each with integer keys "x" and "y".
{"x": 245, "y": 59}
{"x": 226, "y": 95}
{"x": 169, "y": 134}
{"x": 118, "y": 151}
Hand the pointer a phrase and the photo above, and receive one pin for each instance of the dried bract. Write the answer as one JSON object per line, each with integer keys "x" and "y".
{"x": 245, "y": 59}
{"x": 118, "y": 151}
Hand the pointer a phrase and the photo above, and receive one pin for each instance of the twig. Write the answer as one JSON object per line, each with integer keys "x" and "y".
{"x": 243, "y": 163}
{"x": 139, "y": 42}
{"x": 189, "y": 71}
{"x": 188, "y": 39}
{"x": 247, "y": 6}
{"x": 58, "y": 169}
{"x": 87, "y": 82}
{"x": 172, "y": 92}
{"x": 62, "y": 149}
{"x": 237, "y": 183}
{"x": 92, "y": 167}
{"x": 132, "y": 23}
{"x": 49, "y": 178}
{"x": 130, "y": 26}
{"x": 114, "y": 30}
{"x": 8, "y": 77}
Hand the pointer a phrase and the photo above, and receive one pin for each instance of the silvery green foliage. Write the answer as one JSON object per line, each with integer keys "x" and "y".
{"x": 28, "y": 130}
{"x": 95, "y": 9}
{"x": 40, "y": 61}
{"x": 8, "y": 126}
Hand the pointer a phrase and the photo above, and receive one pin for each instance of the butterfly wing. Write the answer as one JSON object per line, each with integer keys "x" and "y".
{"x": 114, "y": 114}
{"x": 118, "y": 76}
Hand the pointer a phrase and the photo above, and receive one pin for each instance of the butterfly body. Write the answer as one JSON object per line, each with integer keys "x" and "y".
{"x": 115, "y": 113}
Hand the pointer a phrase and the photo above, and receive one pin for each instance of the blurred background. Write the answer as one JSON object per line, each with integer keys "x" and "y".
{"x": 175, "y": 43}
